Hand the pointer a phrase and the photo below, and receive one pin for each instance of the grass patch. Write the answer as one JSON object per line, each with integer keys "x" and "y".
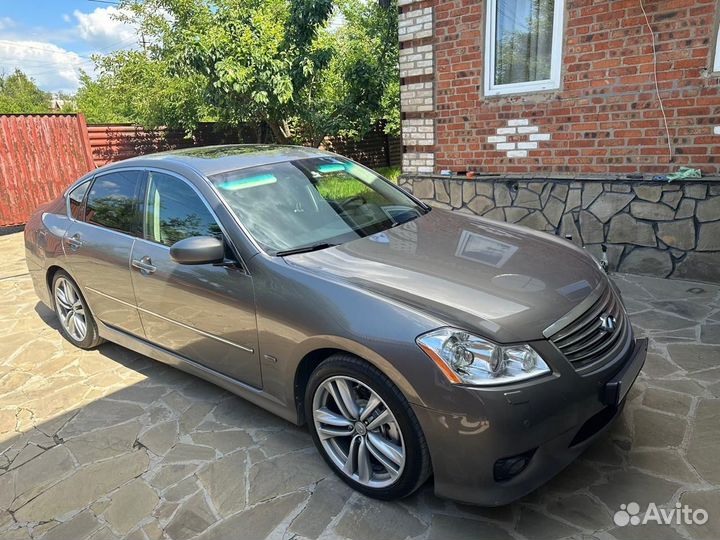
{"x": 391, "y": 173}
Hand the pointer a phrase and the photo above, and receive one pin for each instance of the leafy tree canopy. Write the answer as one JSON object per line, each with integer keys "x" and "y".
{"x": 20, "y": 95}
{"x": 306, "y": 68}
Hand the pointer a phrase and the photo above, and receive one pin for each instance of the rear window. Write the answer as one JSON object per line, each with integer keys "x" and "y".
{"x": 76, "y": 198}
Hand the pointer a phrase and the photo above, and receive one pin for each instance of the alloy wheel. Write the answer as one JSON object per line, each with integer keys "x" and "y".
{"x": 70, "y": 309}
{"x": 358, "y": 431}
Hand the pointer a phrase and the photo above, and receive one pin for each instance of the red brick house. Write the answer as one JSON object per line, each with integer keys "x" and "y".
{"x": 563, "y": 111}
{"x": 577, "y": 76}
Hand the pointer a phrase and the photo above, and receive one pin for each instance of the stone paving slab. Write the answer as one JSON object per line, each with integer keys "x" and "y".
{"x": 109, "y": 444}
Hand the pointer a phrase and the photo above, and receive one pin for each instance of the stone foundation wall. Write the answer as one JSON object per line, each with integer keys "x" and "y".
{"x": 659, "y": 229}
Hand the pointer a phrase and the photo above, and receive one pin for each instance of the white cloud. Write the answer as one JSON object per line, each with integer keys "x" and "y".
{"x": 53, "y": 68}
{"x": 101, "y": 28}
{"x": 6, "y": 23}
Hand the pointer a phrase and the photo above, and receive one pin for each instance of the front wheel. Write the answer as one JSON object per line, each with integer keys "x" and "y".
{"x": 365, "y": 429}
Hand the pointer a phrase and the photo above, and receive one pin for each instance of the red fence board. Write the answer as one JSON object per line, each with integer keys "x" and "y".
{"x": 40, "y": 155}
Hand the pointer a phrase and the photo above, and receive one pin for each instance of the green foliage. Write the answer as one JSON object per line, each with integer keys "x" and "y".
{"x": 391, "y": 173}
{"x": 306, "y": 68}
{"x": 20, "y": 95}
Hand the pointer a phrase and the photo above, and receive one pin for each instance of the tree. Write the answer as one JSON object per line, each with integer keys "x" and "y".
{"x": 20, "y": 95}
{"x": 305, "y": 68}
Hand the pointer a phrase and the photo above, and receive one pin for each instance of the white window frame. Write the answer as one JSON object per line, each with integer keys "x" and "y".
{"x": 716, "y": 65}
{"x": 553, "y": 83}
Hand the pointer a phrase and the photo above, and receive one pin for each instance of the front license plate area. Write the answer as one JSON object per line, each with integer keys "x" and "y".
{"x": 617, "y": 388}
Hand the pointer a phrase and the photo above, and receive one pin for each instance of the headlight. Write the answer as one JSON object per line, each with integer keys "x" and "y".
{"x": 468, "y": 359}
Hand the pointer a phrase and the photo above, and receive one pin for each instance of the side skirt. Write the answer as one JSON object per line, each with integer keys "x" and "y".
{"x": 253, "y": 395}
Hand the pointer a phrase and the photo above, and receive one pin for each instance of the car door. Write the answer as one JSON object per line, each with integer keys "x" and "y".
{"x": 205, "y": 313}
{"x": 98, "y": 243}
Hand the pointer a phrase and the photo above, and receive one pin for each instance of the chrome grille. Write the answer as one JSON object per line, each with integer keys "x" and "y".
{"x": 585, "y": 343}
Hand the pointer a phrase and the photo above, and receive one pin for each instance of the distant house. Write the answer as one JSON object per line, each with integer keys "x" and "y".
{"x": 559, "y": 90}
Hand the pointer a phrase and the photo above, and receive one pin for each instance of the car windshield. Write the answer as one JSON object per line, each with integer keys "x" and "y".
{"x": 313, "y": 203}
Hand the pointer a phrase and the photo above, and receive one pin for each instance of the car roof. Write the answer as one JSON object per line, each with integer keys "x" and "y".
{"x": 210, "y": 160}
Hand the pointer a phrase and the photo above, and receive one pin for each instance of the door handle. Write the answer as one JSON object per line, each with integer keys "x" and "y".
{"x": 74, "y": 242}
{"x": 144, "y": 265}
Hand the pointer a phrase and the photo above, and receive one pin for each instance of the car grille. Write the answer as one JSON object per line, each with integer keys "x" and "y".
{"x": 585, "y": 343}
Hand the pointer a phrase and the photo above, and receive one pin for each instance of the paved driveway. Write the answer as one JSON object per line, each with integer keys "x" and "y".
{"x": 108, "y": 444}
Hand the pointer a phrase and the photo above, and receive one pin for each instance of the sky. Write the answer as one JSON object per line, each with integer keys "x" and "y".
{"x": 52, "y": 40}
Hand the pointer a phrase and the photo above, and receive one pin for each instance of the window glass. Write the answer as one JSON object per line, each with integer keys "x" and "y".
{"x": 717, "y": 53}
{"x": 294, "y": 204}
{"x": 524, "y": 52}
{"x": 76, "y": 199}
{"x": 112, "y": 201}
{"x": 175, "y": 212}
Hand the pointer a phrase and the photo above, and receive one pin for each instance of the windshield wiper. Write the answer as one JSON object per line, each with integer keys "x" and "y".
{"x": 304, "y": 249}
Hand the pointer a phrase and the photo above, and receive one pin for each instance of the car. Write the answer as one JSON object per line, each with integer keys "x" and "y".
{"x": 413, "y": 341}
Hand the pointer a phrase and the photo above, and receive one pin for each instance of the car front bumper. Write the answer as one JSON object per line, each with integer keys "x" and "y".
{"x": 552, "y": 421}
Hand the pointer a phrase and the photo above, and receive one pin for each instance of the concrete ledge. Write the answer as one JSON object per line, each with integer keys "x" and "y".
{"x": 652, "y": 228}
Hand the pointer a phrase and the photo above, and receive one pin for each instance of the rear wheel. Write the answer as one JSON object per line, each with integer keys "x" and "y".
{"x": 76, "y": 321}
{"x": 365, "y": 429}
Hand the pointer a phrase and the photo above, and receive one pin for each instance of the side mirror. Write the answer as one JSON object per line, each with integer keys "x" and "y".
{"x": 198, "y": 250}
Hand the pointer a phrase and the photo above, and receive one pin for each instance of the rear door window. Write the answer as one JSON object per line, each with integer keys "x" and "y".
{"x": 113, "y": 202}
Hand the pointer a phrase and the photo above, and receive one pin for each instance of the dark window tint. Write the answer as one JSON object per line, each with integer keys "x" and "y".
{"x": 112, "y": 202}
{"x": 76, "y": 198}
{"x": 174, "y": 211}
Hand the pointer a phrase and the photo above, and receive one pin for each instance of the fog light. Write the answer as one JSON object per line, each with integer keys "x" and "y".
{"x": 507, "y": 468}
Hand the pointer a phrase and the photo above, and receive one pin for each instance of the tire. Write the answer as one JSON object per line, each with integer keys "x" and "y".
{"x": 382, "y": 477}
{"x": 66, "y": 297}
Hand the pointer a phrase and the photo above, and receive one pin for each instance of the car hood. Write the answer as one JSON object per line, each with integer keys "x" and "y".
{"x": 505, "y": 282}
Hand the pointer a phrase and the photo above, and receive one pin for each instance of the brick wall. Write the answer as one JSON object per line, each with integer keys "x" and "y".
{"x": 604, "y": 120}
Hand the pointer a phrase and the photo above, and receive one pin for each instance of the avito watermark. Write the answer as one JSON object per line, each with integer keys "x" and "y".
{"x": 629, "y": 514}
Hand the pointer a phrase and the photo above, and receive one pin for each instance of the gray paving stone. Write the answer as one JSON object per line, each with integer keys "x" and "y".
{"x": 693, "y": 357}
{"x": 103, "y": 443}
{"x": 258, "y": 522}
{"x": 670, "y": 402}
{"x": 160, "y": 437}
{"x": 368, "y": 519}
{"x": 327, "y": 501}
{"x": 83, "y": 487}
{"x": 192, "y": 518}
{"x": 633, "y": 486}
{"x": 582, "y": 511}
{"x": 130, "y": 505}
{"x": 444, "y": 527}
{"x": 656, "y": 429}
{"x": 648, "y": 192}
{"x": 539, "y": 526}
{"x": 81, "y": 525}
{"x": 705, "y": 440}
{"x": 100, "y": 414}
{"x": 285, "y": 474}
{"x": 708, "y": 500}
{"x": 189, "y": 452}
{"x": 224, "y": 481}
{"x": 667, "y": 463}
